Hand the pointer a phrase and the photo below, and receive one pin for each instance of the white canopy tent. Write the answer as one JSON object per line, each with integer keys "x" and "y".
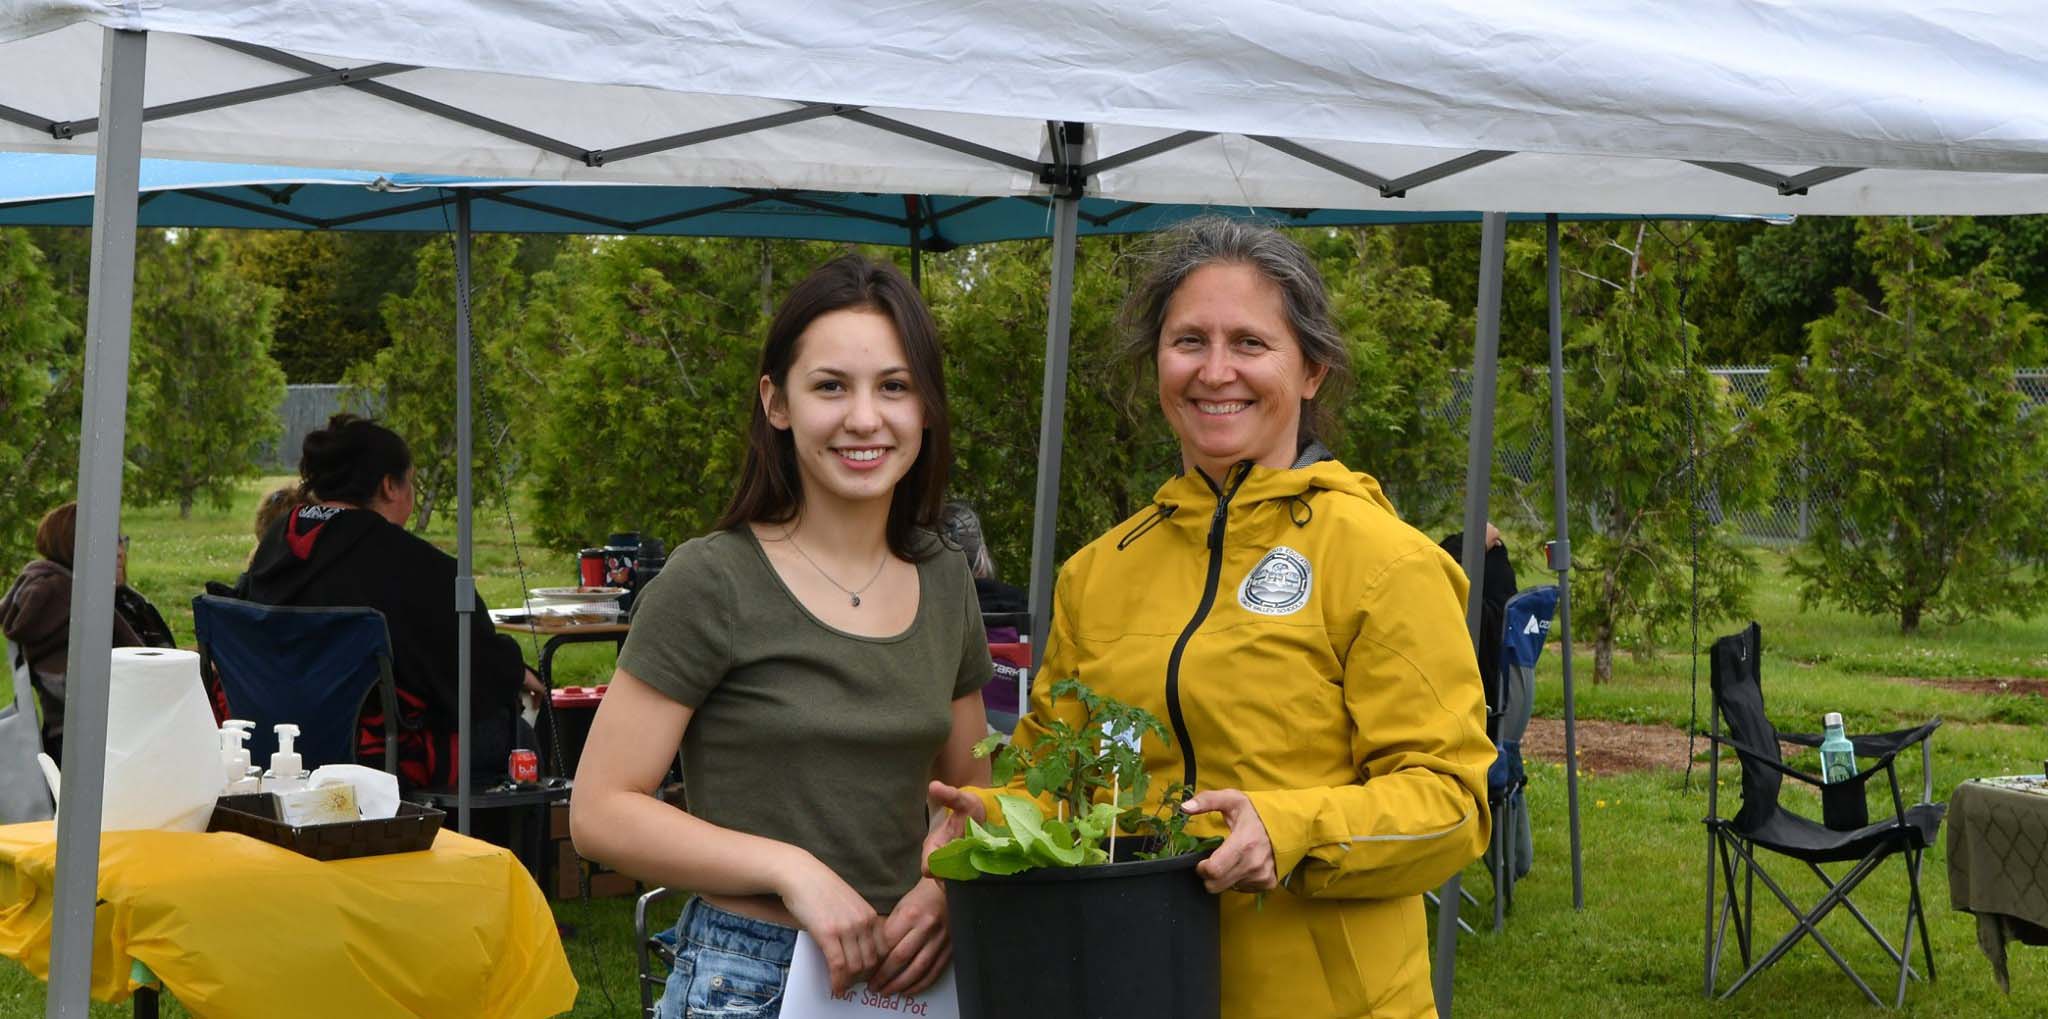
{"x": 1727, "y": 106}
{"x": 827, "y": 96}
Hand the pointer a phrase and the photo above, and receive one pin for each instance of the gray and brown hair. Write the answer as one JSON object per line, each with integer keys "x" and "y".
{"x": 1219, "y": 240}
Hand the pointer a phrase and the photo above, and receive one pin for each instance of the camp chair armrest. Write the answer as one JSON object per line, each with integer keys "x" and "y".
{"x": 1892, "y": 743}
{"x": 1885, "y": 744}
{"x": 1874, "y": 744}
{"x": 1765, "y": 759}
{"x": 1885, "y": 747}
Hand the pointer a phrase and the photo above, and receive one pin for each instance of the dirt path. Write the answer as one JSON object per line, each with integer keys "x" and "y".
{"x": 1986, "y": 687}
{"x": 1606, "y": 747}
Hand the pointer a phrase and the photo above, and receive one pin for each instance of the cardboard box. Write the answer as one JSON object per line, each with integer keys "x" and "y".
{"x": 605, "y": 883}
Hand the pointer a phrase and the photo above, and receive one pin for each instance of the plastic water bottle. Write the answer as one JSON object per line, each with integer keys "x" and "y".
{"x": 1837, "y": 754}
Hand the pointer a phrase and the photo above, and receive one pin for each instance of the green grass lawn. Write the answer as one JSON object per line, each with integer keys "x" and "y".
{"x": 1636, "y": 949}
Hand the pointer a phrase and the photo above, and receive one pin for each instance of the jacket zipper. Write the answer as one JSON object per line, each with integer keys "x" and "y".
{"x": 1217, "y": 523}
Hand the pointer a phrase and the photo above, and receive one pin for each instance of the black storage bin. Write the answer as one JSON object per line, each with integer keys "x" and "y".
{"x": 255, "y": 815}
{"x": 1132, "y": 940}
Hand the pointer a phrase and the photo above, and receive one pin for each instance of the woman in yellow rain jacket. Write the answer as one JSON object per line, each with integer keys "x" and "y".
{"x": 1306, "y": 648}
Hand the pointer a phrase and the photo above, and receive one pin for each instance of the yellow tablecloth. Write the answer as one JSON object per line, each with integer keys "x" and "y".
{"x": 235, "y": 927}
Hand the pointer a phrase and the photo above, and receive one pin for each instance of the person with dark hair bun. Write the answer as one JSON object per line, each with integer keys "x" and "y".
{"x": 35, "y": 614}
{"x": 346, "y": 544}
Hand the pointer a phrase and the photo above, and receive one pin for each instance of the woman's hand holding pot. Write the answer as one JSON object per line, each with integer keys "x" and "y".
{"x": 1244, "y": 862}
{"x": 956, "y": 806}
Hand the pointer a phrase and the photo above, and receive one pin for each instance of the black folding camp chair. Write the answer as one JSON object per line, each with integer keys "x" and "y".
{"x": 654, "y": 949}
{"x": 1762, "y": 824}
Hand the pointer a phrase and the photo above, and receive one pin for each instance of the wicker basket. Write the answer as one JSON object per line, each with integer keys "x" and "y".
{"x": 255, "y": 815}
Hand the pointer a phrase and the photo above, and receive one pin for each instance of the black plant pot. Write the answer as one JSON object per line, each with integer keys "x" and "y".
{"x": 1118, "y": 941}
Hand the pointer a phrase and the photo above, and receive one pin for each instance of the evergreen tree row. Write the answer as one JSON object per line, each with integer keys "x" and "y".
{"x": 615, "y": 377}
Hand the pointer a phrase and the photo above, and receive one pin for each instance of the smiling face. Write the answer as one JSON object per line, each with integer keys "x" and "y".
{"x": 1232, "y": 376}
{"x": 850, "y": 407}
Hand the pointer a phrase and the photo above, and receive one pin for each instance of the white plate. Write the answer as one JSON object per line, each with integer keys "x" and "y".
{"x": 578, "y": 614}
{"x": 566, "y": 614}
{"x": 575, "y": 594}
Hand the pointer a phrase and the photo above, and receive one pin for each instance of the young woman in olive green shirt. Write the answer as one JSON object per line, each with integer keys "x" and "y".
{"x": 818, "y": 658}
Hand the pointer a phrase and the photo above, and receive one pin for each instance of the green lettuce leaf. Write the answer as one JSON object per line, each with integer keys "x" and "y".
{"x": 951, "y": 861}
{"x": 1008, "y": 860}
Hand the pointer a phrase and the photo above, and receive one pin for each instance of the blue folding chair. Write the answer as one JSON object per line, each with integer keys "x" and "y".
{"x": 1526, "y": 624}
{"x": 314, "y": 667}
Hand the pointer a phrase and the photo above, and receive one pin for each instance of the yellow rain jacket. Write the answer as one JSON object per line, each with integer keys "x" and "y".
{"x": 1311, "y": 649}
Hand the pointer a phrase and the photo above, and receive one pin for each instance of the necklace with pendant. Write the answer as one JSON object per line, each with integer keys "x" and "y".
{"x": 852, "y": 593}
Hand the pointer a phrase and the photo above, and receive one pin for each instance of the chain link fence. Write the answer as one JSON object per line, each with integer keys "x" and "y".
{"x": 305, "y": 408}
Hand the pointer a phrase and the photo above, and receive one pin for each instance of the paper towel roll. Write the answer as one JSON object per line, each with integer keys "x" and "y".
{"x": 163, "y": 752}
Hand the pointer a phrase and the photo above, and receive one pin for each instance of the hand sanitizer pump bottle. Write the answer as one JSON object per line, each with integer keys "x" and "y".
{"x": 287, "y": 770}
{"x": 236, "y": 772}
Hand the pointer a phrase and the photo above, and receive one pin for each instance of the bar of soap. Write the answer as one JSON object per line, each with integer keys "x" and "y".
{"x": 331, "y": 804}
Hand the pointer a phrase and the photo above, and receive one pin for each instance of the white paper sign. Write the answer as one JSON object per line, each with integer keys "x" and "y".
{"x": 1129, "y": 735}
{"x": 808, "y": 995}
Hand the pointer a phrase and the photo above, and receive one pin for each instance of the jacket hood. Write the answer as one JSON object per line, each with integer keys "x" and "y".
{"x": 39, "y": 599}
{"x": 304, "y": 543}
{"x": 35, "y": 614}
{"x": 1249, "y": 484}
{"x": 40, "y": 569}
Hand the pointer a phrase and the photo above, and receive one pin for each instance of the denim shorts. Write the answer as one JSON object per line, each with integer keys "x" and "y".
{"x": 728, "y": 966}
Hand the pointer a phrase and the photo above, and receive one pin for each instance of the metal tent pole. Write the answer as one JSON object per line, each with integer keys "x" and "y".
{"x": 465, "y": 583}
{"x": 1493, "y": 238}
{"x": 1052, "y": 420}
{"x": 1561, "y": 552}
{"x": 913, "y": 212}
{"x": 103, "y": 426}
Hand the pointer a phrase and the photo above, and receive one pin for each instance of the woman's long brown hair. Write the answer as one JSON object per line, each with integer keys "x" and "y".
{"x": 770, "y": 488}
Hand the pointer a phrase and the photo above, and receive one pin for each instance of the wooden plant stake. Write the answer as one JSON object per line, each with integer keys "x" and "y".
{"x": 1116, "y": 799}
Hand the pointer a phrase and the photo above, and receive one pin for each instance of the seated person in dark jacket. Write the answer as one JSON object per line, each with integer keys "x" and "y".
{"x": 347, "y": 545}
{"x": 1497, "y": 585}
{"x": 36, "y": 616}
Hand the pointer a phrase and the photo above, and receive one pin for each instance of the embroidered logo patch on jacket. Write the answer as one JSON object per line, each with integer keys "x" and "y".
{"x": 1278, "y": 585}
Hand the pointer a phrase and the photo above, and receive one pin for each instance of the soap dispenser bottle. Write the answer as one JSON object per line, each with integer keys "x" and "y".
{"x": 287, "y": 771}
{"x": 236, "y": 771}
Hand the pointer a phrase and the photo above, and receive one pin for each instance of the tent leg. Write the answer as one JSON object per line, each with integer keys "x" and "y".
{"x": 1493, "y": 238}
{"x": 913, "y": 212}
{"x": 465, "y": 583}
{"x": 1562, "y": 553}
{"x": 102, "y": 434}
{"x": 1052, "y": 420}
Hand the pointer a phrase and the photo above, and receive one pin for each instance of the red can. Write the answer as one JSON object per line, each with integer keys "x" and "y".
{"x": 523, "y": 766}
{"x": 590, "y": 567}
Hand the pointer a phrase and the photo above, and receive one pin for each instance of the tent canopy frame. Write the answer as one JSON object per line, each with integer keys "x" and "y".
{"x": 1062, "y": 173}
{"x": 1995, "y": 140}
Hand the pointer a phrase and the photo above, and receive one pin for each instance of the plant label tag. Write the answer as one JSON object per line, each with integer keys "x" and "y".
{"x": 808, "y": 994}
{"x": 1127, "y": 735}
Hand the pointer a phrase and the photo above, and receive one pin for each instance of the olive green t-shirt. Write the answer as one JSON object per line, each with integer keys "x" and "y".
{"x": 803, "y": 733}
